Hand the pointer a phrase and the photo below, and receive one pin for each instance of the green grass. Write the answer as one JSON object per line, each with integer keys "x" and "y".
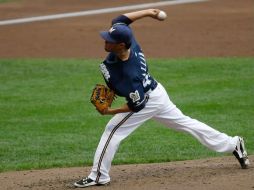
{"x": 46, "y": 119}
{"x": 5, "y": 1}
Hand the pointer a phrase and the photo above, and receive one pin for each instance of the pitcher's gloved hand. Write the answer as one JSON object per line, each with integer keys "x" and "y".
{"x": 102, "y": 97}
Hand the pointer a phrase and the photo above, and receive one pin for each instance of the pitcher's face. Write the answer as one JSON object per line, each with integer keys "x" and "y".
{"x": 113, "y": 47}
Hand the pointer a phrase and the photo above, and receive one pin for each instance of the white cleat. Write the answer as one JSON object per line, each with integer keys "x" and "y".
{"x": 241, "y": 153}
{"x": 86, "y": 182}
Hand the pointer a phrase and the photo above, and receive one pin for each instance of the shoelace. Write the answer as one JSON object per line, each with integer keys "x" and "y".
{"x": 85, "y": 180}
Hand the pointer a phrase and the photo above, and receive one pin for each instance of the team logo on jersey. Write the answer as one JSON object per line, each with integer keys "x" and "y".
{"x": 104, "y": 71}
{"x": 135, "y": 96}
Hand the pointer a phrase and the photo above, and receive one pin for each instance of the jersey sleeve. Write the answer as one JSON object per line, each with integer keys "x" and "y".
{"x": 121, "y": 19}
{"x": 136, "y": 98}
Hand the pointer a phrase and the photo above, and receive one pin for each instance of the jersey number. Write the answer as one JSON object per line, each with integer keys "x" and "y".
{"x": 146, "y": 81}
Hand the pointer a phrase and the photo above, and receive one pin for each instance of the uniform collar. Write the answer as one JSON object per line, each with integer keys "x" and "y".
{"x": 113, "y": 59}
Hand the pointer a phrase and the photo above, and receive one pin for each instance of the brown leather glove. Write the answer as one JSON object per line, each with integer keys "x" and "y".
{"x": 102, "y": 97}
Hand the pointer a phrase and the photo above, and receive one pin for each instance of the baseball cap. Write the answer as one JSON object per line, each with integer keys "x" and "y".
{"x": 118, "y": 33}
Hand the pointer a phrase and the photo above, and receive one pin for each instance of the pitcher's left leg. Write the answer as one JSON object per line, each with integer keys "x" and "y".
{"x": 118, "y": 128}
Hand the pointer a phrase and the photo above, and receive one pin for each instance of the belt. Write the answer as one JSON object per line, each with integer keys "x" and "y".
{"x": 153, "y": 86}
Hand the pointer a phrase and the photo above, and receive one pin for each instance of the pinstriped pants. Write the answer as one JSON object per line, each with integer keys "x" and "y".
{"x": 160, "y": 108}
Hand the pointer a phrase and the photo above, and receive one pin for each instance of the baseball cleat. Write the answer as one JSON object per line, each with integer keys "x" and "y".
{"x": 86, "y": 182}
{"x": 241, "y": 153}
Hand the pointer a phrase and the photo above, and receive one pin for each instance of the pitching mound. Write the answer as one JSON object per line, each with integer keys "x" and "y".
{"x": 216, "y": 173}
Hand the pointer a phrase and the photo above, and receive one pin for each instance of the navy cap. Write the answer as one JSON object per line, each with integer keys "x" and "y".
{"x": 118, "y": 33}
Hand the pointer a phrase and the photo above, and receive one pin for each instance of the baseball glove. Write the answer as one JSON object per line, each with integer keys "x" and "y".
{"x": 102, "y": 97}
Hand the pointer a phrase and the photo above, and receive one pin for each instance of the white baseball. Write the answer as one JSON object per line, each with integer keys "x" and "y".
{"x": 162, "y": 15}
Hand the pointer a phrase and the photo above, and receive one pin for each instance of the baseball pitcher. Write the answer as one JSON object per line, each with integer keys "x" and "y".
{"x": 126, "y": 73}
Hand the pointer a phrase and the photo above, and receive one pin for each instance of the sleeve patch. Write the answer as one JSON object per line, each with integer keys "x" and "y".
{"x": 134, "y": 96}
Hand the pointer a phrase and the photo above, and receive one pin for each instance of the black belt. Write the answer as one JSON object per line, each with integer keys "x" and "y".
{"x": 153, "y": 86}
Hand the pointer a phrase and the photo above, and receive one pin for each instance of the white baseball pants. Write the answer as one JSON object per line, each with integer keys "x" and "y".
{"x": 160, "y": 108}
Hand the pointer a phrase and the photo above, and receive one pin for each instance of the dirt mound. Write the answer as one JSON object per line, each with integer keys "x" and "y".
{"x": 209, "y": 174}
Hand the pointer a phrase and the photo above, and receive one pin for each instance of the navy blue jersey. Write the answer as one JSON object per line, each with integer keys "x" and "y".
{"x": 130, "y": 78}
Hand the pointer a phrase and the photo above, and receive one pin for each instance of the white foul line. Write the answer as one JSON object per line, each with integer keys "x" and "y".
{"x": 95, "y": 12}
